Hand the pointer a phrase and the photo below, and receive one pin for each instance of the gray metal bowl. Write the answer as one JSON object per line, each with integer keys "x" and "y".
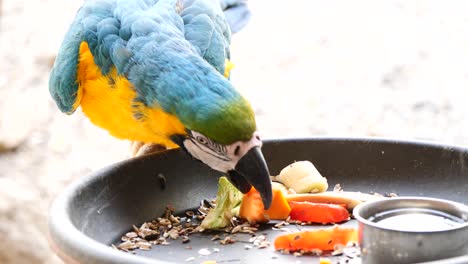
{"x": 411, "y": 229}
{"x": 97, "y": 210}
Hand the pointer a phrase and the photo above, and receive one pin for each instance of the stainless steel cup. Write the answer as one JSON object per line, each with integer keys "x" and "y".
{"x": 411, "y": 229}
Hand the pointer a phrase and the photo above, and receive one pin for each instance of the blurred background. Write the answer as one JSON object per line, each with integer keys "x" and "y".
{"x": 397, "y": 69}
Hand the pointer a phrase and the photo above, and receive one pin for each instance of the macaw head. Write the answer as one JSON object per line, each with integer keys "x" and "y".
{"x": 221, "y": 132}
{"x": 241, "y": 160}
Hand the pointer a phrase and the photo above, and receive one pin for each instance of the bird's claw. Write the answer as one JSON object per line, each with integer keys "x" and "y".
{"x": 138, "y": 148}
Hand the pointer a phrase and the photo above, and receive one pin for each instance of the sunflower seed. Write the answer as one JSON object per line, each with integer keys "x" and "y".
{"x": 185, "y": 239}
{"x": 338, "y": 188}
{"x": 131, "y": 235}
{"x": 143, "y": 245}
{"x": 227, "y": 240}
{"x": 236, "y": 229}
{"x": 127, "y": 245}
{"x": 190, "y": 213}
{"x": 338, "y": 250}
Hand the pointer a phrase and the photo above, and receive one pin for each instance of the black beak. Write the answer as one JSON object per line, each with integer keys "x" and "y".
{"x": 251, "y": 170}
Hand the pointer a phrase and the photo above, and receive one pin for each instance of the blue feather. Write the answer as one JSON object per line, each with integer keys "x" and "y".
{"x": 172, "y": 51}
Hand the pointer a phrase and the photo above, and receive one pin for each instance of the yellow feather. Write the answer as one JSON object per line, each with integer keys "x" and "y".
{"x": 107, "y": 101}
{"x": 228, "y": 65}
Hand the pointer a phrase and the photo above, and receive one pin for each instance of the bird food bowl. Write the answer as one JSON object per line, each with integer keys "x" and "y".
{"x": 412, "y": 229}
{"x": 94, "y": 212}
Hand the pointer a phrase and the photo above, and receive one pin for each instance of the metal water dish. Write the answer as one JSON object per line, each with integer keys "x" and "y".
{"x": 412, "y": 229}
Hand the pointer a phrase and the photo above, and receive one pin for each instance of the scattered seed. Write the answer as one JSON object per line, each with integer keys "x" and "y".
{"x": 164, "y": 221}
{"x": 264, "y": 244}
{"x": 144, "y": 245}
{"x": 227, "y": 240}
{"x": 190, "y": 213}
{"x": 190, "y": 259}
{"x": 338, "y": 188}
{"x": 376, "y": 194}
{"x": 338, "y": 250}
{"x": 280, "y": 224}
{"x": 127, "y": 245}
{"x": 200, "y": 217}
{"x": 249, "y": 228}
{"x": 173, "y": 234}
{"x": 316, "y": 252}
{"x": 148, "y": 234}
{"x": 204, "y": 252}
{"x": 185, "y": 239}
{"x": 236, "y": 229}
{"x": 169, "y": 227}
{"x": 131, "y": 235}
{"x": 208, "y": 204}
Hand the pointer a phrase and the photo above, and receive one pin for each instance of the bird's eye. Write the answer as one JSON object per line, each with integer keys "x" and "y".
{"x": 202, "y": 140}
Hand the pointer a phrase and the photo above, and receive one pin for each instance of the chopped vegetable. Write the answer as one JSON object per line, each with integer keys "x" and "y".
{"x": 279, "y": 186}
{"x": 318, "y": 212}
{"x": 253, "y": 211}
{"x": 325, "y": 261}
{"x": 279, "y": 209}
{"x": 302, "y": 177}
{"x": 252, "y": 207}
{"x": 351, "y": 199}
{"x": 322, "y": 239}
{"x": 228, "y": 200}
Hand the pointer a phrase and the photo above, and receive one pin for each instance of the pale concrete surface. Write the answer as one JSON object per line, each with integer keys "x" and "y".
{"x": 349, "y": 68}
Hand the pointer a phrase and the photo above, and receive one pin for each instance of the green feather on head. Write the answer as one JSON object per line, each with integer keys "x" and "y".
{"x": 234, "y": 121}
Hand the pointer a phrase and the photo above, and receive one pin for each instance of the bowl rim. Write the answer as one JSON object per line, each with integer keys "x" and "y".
{"x": 358, "y": 215}
{"x": 67, "y": 240}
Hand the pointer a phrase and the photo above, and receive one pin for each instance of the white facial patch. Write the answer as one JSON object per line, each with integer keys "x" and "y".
{"x": 219, "y": 157}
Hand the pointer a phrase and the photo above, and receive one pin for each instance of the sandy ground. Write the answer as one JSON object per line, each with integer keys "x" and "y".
{"x": 350, "y": 68}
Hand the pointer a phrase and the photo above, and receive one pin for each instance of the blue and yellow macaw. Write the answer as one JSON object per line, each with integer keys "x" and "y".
{"x": 155, "y": 71}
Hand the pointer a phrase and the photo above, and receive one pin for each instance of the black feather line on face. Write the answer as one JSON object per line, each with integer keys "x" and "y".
{"x": 216, "y": 147}
{"x": 223, "y": 157}
{"x": 210, "y": 144}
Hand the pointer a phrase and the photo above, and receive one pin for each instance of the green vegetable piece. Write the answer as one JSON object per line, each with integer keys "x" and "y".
{"x": 228, "y": 201}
